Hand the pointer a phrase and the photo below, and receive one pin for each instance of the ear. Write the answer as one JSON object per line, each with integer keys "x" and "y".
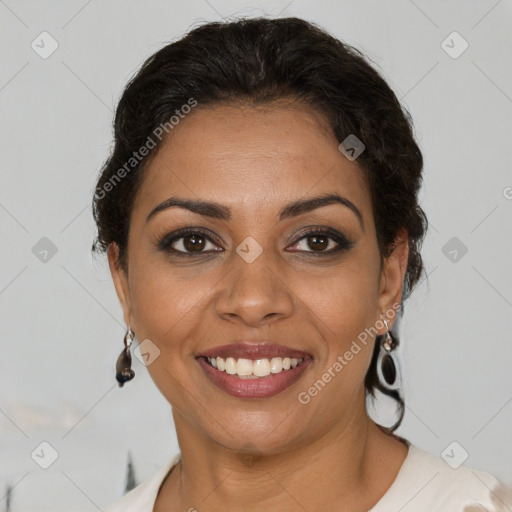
{"x": 120, "y": 278}
{"x": 393, "y": 272}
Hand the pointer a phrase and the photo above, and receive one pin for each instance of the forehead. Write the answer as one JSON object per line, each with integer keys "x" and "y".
{"x": 250, "y": 158}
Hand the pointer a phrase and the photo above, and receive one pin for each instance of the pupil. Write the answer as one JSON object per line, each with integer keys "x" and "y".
{"x": 193, "y": 243}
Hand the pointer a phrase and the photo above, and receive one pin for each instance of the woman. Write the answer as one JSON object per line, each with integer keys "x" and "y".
{"x": 260, "y": 214}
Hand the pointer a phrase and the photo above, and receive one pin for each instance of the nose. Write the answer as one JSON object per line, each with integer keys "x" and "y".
{"x": 255, "y": 294}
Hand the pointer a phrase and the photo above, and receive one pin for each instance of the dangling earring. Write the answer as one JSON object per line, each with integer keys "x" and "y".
{"x": 124, "y": 371}
{"x": 386, "y": 364}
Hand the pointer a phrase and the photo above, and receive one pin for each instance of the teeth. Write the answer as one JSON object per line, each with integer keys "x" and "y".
{"x": 244, "y": 367}
{"x": 276, "y": 364}
{"x": 230, "y": 366}
{"x": 261, "y": 367}
{"x": 249, "y": 369}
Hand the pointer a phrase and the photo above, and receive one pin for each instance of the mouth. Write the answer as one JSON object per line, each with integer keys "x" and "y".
{"x": 254, "y": 370}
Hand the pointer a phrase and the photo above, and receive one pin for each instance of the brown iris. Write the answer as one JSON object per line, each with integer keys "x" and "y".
{"x": 194, "y": 243}
{"x": 320, "y": 242}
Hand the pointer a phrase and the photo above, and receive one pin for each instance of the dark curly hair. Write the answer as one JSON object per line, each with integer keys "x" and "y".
{"x": 258, "y": 61}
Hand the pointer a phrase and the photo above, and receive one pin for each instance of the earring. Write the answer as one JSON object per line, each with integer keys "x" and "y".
{"x": 386, "y": 364}
{"x": 124, "y": 371}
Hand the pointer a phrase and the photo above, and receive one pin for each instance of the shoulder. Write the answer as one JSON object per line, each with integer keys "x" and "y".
{"x": 429, "y": 483}
{"x": 142, "y": 498}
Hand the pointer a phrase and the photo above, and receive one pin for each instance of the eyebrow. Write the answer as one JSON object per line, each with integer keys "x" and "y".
{"x": 221, "y": 212}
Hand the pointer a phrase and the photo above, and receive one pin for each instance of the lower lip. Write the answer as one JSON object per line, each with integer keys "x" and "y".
{"x": 262, "y": 387}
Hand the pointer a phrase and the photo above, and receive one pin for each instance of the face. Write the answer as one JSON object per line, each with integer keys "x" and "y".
{"x": 262, "y": 264}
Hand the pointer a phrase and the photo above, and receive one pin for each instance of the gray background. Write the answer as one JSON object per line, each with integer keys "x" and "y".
{"x": 61, "y": 325}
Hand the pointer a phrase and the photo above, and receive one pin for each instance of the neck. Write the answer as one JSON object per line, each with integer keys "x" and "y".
{"x": 343, "y": 466}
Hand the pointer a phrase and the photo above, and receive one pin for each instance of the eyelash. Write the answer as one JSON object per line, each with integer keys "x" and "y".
{"x": 168, "y": 240}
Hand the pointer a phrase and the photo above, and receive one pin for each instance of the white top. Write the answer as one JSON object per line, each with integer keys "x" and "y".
{"x": 425, "y": 483}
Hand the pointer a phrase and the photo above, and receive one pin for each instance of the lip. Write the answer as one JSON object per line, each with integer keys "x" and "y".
{"x": 254, "y": 350}
{"x": 262, "y": 387}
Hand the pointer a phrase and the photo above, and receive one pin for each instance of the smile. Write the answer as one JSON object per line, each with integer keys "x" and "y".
{"x": 259, "y": 378}
{"x": 249, "y": 369}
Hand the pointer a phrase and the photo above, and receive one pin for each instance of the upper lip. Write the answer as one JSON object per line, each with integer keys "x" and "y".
{"x": 253, "y": 350}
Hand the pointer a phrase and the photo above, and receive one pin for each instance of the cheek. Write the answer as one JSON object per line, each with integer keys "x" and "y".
{"x": 167, "y": 311}
{"x": 165, "y": 306}
{"x": 346, "y": 300}
{"x": 344, "y": 307}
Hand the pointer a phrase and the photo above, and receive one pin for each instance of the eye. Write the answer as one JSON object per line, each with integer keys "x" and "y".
{"x": 193, "y": 241}
{"x": 322, "y": 242}
{"x": 188, "y": 242}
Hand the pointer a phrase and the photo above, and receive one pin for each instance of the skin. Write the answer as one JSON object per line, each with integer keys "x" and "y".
{"x": 272, "y": 453}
